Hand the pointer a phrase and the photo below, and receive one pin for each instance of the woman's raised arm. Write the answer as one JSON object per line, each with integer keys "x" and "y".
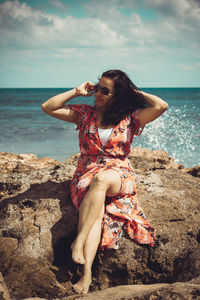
{"x": 57, "y": 108}
{"x": 157, "y": 108}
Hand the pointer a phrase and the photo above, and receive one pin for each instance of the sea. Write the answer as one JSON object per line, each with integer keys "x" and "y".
{"x": 25, "y": 128}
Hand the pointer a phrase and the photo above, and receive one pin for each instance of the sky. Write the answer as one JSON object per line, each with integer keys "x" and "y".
{"x": 62, "y": 43}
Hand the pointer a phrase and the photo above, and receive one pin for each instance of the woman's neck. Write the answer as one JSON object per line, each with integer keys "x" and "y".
{"x": 99, "y": 121}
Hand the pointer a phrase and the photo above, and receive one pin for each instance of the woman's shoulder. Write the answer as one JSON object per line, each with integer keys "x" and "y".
{"x": 82, "y": 108}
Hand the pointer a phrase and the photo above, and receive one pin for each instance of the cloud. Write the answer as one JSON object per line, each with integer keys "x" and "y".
{"x": 100, "y": 7}
{"x": 108, "y": 34}
{"x": 176, "y": 20}
{"x": 105, "y": 26}
{"x": 26, "y": 27}
{"x": 175, "y": 8}
{"x": 59, "y": 4}
{"x": 184, "y": 14}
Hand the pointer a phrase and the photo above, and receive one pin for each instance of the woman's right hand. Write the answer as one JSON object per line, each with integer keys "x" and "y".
{"x": 85, "y": 89}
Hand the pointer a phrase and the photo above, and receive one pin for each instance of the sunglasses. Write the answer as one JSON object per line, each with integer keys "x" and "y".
{"x": 104, "y": 90}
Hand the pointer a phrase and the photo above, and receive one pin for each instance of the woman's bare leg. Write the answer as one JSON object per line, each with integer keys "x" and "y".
{"x": 104, "y": 183}
{"x": 90, "y": 249}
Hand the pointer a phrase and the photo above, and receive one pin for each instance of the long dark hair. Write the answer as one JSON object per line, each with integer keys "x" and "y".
{"x": 127, "y": 98}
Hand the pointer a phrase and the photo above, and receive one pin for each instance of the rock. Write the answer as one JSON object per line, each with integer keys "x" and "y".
{"x": 151, "y": 160}
{"x": 35, "y": 298}
{"x": 179, "y": 290}
{"x": 190, "y": 267}
{"x": 11, "y": 162}
{"x": 195, "y": 171}
{"x": 4, "y": 294}
{"x": 38, "y": 224}
{"x": 19, "y": 171}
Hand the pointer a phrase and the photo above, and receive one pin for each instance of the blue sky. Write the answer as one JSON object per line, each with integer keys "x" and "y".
{"x": 58, "y": 43}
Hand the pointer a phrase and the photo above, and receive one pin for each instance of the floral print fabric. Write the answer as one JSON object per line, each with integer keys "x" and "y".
{"x": 121, "y": 211}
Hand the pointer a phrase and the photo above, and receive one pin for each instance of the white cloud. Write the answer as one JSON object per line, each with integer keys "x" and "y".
{"x": 108, "y": 36}
{"x": 106, "y": 25}
{"x": 184, "y": 13}
{"x": 176, "y": 8}
{"x": 25, "y": 27}
{"x": 16, "y": 10}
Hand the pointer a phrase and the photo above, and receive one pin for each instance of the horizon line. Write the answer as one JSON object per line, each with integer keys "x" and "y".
{"x": 146, "y": 87}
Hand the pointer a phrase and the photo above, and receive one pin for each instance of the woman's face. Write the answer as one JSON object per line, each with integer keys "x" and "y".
{"x": 103, "y": 100}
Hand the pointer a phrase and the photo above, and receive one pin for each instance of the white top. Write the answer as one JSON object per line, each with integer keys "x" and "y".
{"x": 104, "y": 135}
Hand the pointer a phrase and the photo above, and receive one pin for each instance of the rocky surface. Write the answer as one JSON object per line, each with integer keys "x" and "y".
{"x": 179, "y": 290}
{"x": 4, "y": 294}
{"x": 38, "y": 224}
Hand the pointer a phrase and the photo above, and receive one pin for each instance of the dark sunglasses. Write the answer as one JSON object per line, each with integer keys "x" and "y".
{"x": 104, "y": 90}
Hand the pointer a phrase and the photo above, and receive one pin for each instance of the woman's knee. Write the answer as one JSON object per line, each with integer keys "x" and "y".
{"x": 99, "y": 180}
{"x": 109, "y": 181}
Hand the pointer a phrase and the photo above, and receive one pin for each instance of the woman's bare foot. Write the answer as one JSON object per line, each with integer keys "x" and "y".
{"x": 82, "y": 286}
{"x": 77, "y": 253}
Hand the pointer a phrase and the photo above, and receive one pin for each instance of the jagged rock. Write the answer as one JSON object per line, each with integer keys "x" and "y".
{"x": 38, "y": 224}
{"x": 151, "y": 160}
{"x": 195, "y": 171}
{"x": 177, "y": 291}
{"x": 11, "y": 162}
{"x": 190, "y": 267}
{"x": 4, "y": 294}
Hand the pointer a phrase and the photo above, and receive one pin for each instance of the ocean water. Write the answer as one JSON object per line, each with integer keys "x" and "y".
{"x": 25, "y": 128}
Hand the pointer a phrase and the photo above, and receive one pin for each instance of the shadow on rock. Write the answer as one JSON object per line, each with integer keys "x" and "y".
{"x": 41, "y": 220}
{"x": 38, "y": 224}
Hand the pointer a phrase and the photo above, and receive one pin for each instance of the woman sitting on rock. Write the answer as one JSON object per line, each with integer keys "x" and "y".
{"x": 103, "y": 186}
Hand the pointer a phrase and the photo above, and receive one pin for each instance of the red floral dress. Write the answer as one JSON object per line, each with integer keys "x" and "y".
{"x": 121, "y": 211}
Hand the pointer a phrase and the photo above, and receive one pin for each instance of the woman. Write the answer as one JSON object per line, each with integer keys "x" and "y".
{"x": 103, "y": 186}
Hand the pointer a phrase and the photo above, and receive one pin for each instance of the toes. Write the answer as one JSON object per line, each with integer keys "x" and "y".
{"x": 77, "y": 289}
{"x": 80, "y": 290}
{"x": 84, "y": 291}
